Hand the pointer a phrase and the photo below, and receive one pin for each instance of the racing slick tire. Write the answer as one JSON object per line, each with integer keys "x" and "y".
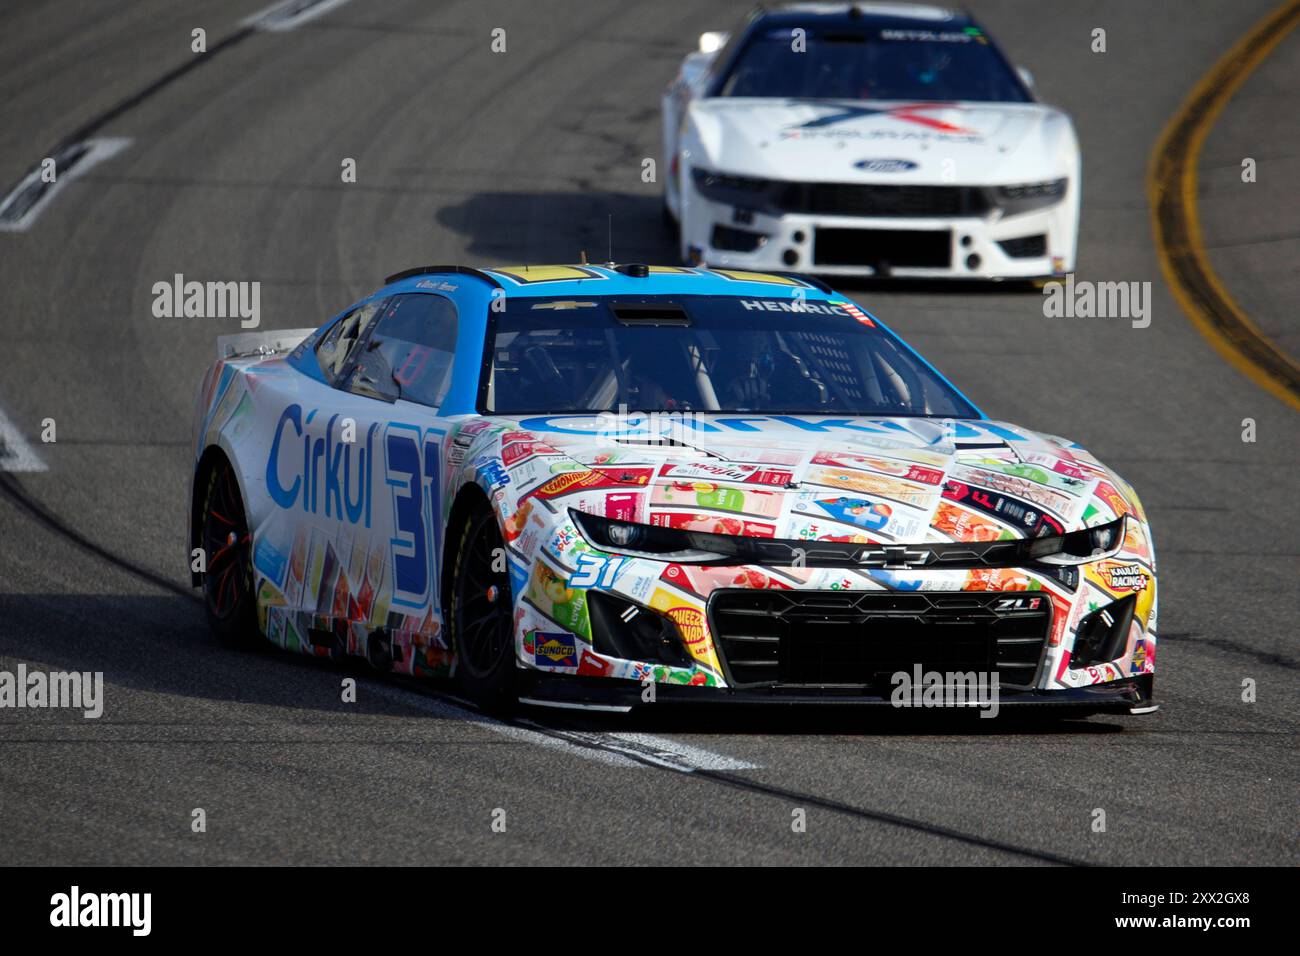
{"x": 228, "y": 595}
{"x": 482, "y": 622}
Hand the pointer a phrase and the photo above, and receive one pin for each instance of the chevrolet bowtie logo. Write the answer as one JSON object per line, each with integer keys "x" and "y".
{"x": 892, "y": 556}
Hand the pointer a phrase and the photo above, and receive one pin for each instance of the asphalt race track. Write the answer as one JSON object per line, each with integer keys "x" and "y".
{"x": 464, "y": 155}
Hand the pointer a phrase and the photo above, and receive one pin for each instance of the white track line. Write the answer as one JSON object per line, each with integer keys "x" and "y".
{"x": 15, "y": 453}
{"x": 450, "y": 711}
{"x": 291, "y": 14}
{"x": 647, "y": 748}
{"x": 629, "y": 750}
{"x": 96, "y": 151}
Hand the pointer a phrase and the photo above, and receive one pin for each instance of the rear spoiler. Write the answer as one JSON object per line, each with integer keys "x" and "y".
{"x": 259, "y": 343}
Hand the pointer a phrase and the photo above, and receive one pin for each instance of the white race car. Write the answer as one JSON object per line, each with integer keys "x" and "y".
{"x": 869, "y": 140}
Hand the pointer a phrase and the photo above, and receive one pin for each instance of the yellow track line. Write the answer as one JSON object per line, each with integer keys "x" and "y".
{"x": 1171, "y": 190}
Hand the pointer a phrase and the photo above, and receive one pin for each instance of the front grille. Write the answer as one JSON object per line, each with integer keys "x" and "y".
{"x": 729, "y": 239}
{"x": 872, "y": 199}
{"x": 883, "y": 249}
{"x": 1025, "y": 247}
{"x": 855, "y": 641}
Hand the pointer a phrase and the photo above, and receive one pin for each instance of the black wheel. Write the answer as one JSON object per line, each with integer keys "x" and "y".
{"x": 226, "y": 541}
{"x": 482, "y": 621}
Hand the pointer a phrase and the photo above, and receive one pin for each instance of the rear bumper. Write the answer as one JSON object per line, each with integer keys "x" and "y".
{"x": 1133, "y": 694}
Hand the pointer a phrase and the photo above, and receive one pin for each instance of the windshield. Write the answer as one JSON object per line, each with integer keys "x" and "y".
{"x": 705, "y": 353}
{"x": 864, "y": 63}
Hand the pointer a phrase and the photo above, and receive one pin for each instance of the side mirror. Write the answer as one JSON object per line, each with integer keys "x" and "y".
{"x": 1025, "y": 76}
{"x": 713, "y": 41}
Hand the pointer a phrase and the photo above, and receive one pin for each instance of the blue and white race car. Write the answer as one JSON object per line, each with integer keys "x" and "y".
{"x": 579, "y": 485}
{"x": 869, "y": 139}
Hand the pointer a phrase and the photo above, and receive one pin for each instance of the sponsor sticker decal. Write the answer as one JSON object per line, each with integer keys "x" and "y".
{"x": 555, "y": 649}
{"x": 1125, "y": 577}
{"x": 885, "y": 165}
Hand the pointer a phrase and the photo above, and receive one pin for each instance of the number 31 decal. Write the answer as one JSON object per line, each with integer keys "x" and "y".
{"x": 593, "y": 571}
{"x": 411, "y": 470}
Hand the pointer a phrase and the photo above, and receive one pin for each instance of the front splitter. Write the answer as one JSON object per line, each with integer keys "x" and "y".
{"x": 1132, "y": 695}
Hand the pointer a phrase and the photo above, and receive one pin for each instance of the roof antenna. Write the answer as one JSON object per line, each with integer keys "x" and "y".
{"x": 611, "y": 238}
{"x": 582, "y": 257}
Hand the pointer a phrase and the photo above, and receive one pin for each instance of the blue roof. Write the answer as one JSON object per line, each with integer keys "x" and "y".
{"x": 594, "y": 280}
{"x": 474, "y": 291}
{"x": 899, "y": 16}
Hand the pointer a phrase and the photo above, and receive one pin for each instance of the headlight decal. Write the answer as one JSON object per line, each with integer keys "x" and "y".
{"x": 744, "y": 191}
{"x": 1056, "y": 552}
{"x": 1027, "y": 197}
{"x": 1079, "y": 547}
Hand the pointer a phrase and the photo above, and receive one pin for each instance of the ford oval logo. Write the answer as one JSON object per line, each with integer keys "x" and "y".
{"x": 885, "y": 165}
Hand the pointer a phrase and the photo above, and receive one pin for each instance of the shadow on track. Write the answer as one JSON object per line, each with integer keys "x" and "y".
{"x": 524, "y": 228}
{"x": 162, "y": 645}
{"x": 831, "y": 720}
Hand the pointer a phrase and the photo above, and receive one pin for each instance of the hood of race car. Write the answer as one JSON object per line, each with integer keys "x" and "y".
{"x": 869, "y": 479}
{"x": 877, "y": 141}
